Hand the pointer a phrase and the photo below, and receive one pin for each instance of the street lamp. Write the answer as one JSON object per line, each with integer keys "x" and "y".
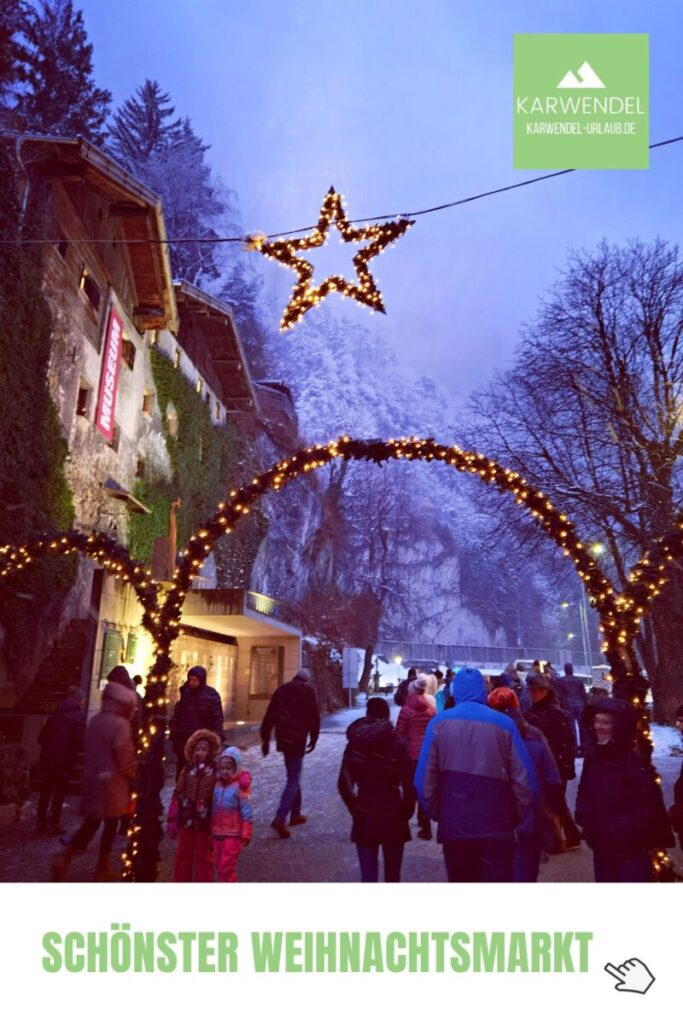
{"x": 582, "y": 607}
{"x": 397, "y": 659}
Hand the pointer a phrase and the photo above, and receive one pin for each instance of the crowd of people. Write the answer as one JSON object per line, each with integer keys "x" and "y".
{"x": 488, "y": 763}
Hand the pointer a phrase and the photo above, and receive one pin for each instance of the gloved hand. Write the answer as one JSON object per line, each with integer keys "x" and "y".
{"x": 265, "y": 749}
{"x": 310, "y": 748}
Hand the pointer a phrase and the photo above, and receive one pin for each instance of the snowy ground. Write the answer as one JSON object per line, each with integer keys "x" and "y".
{"x": 319, "y": 851}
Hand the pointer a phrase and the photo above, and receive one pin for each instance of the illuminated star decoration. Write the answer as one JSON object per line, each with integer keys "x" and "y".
{"x": 305, "y": 296}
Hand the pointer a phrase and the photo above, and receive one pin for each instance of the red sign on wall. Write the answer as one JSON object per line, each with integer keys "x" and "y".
{"x": 109, "y": 380}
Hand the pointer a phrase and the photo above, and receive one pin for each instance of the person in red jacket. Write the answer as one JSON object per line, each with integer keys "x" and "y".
{"x": 414, "y": 717}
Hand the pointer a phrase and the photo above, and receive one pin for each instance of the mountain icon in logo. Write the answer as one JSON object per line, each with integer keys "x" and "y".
{"x": 586, "y": 78}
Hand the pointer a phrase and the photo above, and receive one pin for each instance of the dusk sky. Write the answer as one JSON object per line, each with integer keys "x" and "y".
{"x": 402, "y": 106}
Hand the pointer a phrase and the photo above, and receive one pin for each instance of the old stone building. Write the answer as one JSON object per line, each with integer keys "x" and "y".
{"x": 116, "y": 309}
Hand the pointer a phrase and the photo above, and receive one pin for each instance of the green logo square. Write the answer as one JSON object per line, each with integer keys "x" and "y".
{"x": 581, "y": 100}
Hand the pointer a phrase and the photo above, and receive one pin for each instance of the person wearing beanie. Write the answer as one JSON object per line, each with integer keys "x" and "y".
{"x": 109, "y": 766}
{"x": 475, "y": 778}
{"x": 558, "y": 728}
{"x": 199, "y": 707}
{"x": 232, "y": 821}
{"x": 61, "y": 744}
{"x": 293, "y": 714}
{"x": 189, "y": 813}
{"x": 376, "y": 784}
{"x": 619, "y": 803}
{"x": 541, "y": 831}
{"x": 676, "y": 809}
{"x": 413, "y": 719}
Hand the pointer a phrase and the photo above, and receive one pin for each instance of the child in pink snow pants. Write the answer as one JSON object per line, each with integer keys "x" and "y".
{"x": 231, "y": 817}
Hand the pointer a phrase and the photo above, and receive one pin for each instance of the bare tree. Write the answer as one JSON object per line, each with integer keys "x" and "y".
{"x": 591, "y": 412}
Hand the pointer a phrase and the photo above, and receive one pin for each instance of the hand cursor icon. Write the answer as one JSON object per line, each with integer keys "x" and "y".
{"x": 631, "y": 976}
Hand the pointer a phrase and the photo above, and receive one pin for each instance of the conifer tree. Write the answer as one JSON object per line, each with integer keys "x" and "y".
{"x": 60, "y": 97}
{"x": 13, "y": 16}
{"x": 170, "y": 158}
{"x": 144, "y": 124}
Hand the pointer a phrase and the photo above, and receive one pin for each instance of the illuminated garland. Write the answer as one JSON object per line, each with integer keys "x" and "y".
{"x": 305, "y": 296}
{"x": 620, "y": 613}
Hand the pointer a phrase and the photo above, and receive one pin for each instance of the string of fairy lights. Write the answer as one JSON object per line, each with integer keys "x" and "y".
{"x": 620, "y": 613}
{"x": 305, "y": 295}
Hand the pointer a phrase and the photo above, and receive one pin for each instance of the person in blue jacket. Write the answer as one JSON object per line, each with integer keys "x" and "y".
{"x": 474, "y": 778}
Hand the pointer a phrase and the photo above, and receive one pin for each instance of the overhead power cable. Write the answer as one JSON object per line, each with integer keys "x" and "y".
{"x": 311, "y": 227}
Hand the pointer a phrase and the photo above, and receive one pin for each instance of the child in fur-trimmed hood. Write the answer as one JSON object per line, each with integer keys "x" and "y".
{"x": 189, "y": 813}
{"x": 231, "y": 817}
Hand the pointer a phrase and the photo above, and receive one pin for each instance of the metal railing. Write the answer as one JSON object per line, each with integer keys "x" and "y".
{"x": 261, "y": 603}
{"x": 473, "y": 654}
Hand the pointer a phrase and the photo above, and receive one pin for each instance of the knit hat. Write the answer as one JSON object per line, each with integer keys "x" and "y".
{"x": 418, "y": 685}
{"x": 502, "y": 699}
{"x": 304, "y": 675}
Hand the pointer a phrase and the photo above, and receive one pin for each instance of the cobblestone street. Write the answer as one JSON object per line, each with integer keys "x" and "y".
{"x": 319, "y": 851}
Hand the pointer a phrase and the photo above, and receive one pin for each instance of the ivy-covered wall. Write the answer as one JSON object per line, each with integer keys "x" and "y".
{"x": 207, "y": 461}
{"x": 34, "y": 494}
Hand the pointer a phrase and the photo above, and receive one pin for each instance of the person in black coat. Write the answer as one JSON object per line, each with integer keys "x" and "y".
{"x": 619, "y": 804}
{"x": 401, "y": 694}
{"x": 61, "y": 743}
{"x": 199, "y": 707}
{"x": 376, "y": 784}
{"x": 293, "y": 714}
{"x": 558, "y": 729}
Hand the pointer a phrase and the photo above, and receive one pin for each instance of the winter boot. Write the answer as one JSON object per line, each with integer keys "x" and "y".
{"x": 280, "y": 828}
{"x": 60, "y": 865}
{"x": 298, "y": 819}
{"x": 104, "y": 872}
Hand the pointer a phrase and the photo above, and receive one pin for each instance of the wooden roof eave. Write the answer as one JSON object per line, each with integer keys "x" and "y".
{"x": 134, "y": 204}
